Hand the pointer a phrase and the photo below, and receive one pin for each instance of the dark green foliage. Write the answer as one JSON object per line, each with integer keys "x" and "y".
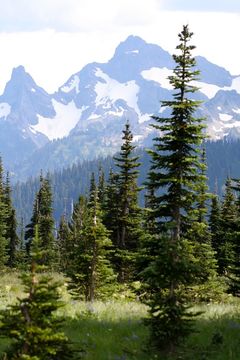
{"x": 223, "y": 158}
{"x": 11, "y": 227}
{"x": 90, "y": 268}
{"x": 122, "y": 212}
{"x": 111, "y": 207}
{"x": 227, "y": 229}
{"x": 198, "y": 229}
{"x": 43, "y": 217}
{"x": 67, "y": 185}
{"x": 3, "y": 225}
{"x": 215, "y": 225}
{"x": 64, "y": 244}
{"x": 176, "y": 183}
{"x": 22, "y": 257}
{"x": 34, "y": 330}
{"x": 74, "y": 250}
{"x": 165, "y": 279}
{"x": 234, "y": 261}
{"x": 101, "y": 187}
{"x": 29, "y": 233}
{"x": 203, "y": 195}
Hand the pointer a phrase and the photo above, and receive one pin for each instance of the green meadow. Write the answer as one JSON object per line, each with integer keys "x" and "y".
{"x": 115, "y": 330}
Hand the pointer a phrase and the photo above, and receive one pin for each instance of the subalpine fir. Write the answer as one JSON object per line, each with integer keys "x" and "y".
{"x": 228, "y": 227}
{"x": 91, "y": 272}
{"x": 3, "y": 222}
{"x": 175, "y": 180}
{"x": 31, "y": 324}
{"x": 122, "y": 212}
{"x": 11, "y": 227}
{"x": 43, "y": 217}
{"x": 234, "y": 262}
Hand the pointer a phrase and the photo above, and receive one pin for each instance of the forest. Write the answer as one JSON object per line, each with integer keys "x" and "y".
{"x": 122, "y": 278}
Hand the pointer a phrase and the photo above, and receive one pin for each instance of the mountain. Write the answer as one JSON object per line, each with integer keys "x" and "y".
{"x": 84, "y": 118}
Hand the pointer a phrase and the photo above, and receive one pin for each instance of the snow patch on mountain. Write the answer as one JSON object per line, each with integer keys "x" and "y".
{"x": 225, "y": 117}
{"x": 73, "y": 84}
{"x": 235, "y": 85}
{"x": 220, "y": 129}
{"x": 209, "y": 90}
{"x": 159, "y": 75}
{"x": 114, "y": 90}
{"x": 132, "y": 52}
{"x": 94, "y": 116}
{"x": 66, "y": 118}
{"x": 118, "y": 112}
{"x": 137, "y": 138}
{"x": 109, "y": 90}
{"x": 235, "y": 124}
{"x": 237, "y": 111}
{"x": 5, "y": 110}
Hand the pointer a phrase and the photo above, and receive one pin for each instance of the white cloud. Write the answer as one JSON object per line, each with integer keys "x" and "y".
{"x": 232, "y": 6}
{"x": 72, "y": 15}
{"x": 55, "y": 38}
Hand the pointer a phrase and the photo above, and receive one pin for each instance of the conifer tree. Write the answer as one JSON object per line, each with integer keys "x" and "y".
{"x": 198, "y": 229}
{"x": 111, "y": 207}
{"x": 215, "y": 226}
{"x": 234, "y": 263}
{"x": 227, "y": 229}
{"x": 29, "y": 233}
{"x": 21, "y": 253}
{"x": 91, "y": 272}
{"x": 101, "y": 187}
{"x": 64, "y": 244}
{"x": 3, "y": 216}
{"x": 203, "y": 194}
{"x": 43, "y": 217}
{"x": 175, "y": 177}
{"x": 127, "y": 226}
{"x": 11, "y": 227}
{"x": 70, "y": 237}
{"x": 30, "y": 323}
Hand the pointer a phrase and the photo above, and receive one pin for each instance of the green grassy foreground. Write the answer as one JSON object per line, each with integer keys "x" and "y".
{"x": 114, "y": 330}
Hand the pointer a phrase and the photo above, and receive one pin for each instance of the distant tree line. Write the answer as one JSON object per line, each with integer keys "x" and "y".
{"x": 222, "y": 157}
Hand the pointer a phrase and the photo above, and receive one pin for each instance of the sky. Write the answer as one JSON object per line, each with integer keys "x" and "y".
{"x": 53, "y": 39}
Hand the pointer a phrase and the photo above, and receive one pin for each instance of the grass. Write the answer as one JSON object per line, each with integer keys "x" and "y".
{"x": 110, "y": 330}
{"x": 114, "y": 330}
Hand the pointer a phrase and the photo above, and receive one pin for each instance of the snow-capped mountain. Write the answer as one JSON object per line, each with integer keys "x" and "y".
{"x": 86, "y": 115}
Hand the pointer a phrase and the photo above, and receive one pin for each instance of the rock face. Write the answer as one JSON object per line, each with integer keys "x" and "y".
{"x": 84, "y": 118}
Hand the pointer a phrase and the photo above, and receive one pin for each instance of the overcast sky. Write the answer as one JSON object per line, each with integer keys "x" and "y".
{"x": 55, "y": 38}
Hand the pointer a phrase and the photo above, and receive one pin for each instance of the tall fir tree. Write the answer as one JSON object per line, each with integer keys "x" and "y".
{"x": 234, "y": 263}
{"x": 175, "y": 177}
{"x": 11, "y": 227}
{"x": 128, "y": 223}
{"x": 198, "y": 228}
{"x": 43, "y": 217}
{"x": 101, "y": 187}
{"x": 29, "y": 231}
{"x": 73, "y": 236}
{"x": 64, "y": 244}
{"x": 215, "y": 226}
{"x": 227, "y": 229}
{"x": 91, "y": 271}
{"x": 3, "y": 225}
{"x": 111, "y": 207}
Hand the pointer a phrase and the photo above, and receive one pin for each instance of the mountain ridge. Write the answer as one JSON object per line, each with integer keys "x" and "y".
{"x": 84, "y": 117}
